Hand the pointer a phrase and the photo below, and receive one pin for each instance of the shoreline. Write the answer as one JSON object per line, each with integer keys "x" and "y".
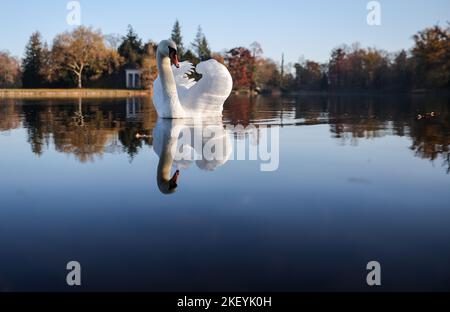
{"x": 72, "y": 93}
{"x": 124, "y": 93}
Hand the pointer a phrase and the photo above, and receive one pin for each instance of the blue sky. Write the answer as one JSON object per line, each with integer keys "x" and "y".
{"x": 309, "y": 28}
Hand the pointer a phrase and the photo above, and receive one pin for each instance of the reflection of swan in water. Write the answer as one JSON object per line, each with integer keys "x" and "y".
{"x": 174, "y": 143}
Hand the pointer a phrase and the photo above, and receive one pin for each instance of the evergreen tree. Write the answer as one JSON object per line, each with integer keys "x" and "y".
{"x": 402, "y": 72}
{"x": 191, "y": 57}
{"x": 177, "y": 38}
{"x": 205, "y": 50}
{"x": 33, "y": 63}
{"x": 131, "y": 48}
{"x": 201, "y": 46}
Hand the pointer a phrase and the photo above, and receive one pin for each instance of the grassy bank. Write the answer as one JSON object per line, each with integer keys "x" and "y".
{"x": 70, "y": 93}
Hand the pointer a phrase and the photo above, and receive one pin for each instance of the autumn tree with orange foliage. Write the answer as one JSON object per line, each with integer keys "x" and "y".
{"x": 240, "y": 63}
{"x": 9, "y": 71}
{"x": 431, "y": 55}
{"x": 82, "y": 51}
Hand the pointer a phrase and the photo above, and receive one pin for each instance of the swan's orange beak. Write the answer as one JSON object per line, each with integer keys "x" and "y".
{"x": 174, "y": 59}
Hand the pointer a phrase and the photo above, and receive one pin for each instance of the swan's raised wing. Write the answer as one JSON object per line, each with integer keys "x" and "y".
{"x": 206, "y": 96}
{"x": 181, "y": 75}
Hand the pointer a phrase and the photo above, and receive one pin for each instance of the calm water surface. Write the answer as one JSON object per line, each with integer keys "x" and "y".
{"x": 359, "y": 179}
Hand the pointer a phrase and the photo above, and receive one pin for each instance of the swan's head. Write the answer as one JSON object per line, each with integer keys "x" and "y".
{"x": 168, "y": 187}
{"x": 168, "y": 48}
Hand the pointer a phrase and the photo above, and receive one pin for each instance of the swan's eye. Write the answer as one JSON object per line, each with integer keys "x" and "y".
{"x": 172, "y": 51}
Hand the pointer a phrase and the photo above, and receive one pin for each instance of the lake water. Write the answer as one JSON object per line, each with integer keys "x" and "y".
{"x": 359, "y": 178}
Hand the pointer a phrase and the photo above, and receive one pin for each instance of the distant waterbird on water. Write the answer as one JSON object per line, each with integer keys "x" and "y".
{"x": 426, "y": 116}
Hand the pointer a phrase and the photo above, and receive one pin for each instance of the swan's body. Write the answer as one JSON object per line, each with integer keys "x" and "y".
{"x": 177, "y": 96}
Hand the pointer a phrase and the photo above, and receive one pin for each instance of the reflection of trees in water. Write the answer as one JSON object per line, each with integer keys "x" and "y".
{"x": 352, "y": 118}
{"x": 140, "y": 118}
{"x": 9, "y": 115}
{"x": 242, "y": 110}
{"x": 84, "y": 128}
{"x": 431, "y": 138}
{"x": 366, "y": 117}
{"x": 38, "y": 130}
{"x": 94, "y": 127}
{"x": 355, "y": 117}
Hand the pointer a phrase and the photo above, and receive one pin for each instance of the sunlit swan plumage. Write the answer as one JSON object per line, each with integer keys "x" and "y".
{"x": 177, "y": 96}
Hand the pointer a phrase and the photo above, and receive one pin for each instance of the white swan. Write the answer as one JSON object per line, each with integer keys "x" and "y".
{"x": 177, "y": 96}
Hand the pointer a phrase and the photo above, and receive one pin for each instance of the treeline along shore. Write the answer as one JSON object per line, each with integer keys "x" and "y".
{"x": 87, "y": 58}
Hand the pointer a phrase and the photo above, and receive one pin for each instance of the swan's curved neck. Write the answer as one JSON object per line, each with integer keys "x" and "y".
{"x": 169, "y": 85}
{"x": 165, "y": 71}
{"x": 164, "y": 168}
{"x": 166, "y": 160}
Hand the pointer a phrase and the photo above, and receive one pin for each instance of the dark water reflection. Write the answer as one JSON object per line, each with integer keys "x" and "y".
{"x": 88, "y": 128}
{"x": 361, "y": 178}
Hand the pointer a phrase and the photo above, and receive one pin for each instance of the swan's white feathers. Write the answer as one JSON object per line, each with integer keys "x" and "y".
{"x": 181, "y": 75}
{"x": 204, "y": 98}
{"x": 167, "y": 139}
